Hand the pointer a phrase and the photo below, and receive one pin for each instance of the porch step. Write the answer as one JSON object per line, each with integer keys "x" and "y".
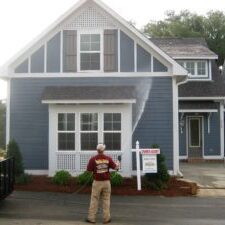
{"x": 196, "y": 160}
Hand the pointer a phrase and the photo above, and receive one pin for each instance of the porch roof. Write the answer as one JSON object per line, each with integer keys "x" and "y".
{"x": 89, "y": 94}
{"x": 198, "y": 105}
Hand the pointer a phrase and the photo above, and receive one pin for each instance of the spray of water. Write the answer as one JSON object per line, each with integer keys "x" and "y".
{"x": 143, "y": 89}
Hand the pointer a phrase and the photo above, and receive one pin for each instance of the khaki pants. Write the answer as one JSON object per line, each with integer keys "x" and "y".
{"x": 100, "y": 189}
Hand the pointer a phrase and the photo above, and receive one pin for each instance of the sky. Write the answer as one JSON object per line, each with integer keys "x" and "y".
{"x": 21, "y": 21}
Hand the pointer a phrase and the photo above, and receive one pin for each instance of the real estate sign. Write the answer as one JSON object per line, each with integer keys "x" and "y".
{"x": 149, "y": 160}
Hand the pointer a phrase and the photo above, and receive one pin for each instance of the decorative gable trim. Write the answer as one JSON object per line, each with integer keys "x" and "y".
{"x": 89, "y": 17}
{"x": 140, "y": 39}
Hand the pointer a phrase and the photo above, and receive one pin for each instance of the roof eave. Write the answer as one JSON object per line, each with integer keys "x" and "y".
{"x": 195, "y": 57}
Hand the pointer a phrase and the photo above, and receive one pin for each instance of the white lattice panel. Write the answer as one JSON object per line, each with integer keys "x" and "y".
{"x": 66, "y": 161}
{"x": 84, "y": 158}
{"x": 90, "y": 17}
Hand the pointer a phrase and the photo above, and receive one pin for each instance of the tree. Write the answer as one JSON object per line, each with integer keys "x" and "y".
{"x": 13, "y": 150}
{"x": 2, "y": 125}
{"x": 187, "y": 24}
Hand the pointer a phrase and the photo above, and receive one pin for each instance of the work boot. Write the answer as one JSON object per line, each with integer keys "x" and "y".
{"x": 89, "y": 221}
{"x": 108, "y": 221}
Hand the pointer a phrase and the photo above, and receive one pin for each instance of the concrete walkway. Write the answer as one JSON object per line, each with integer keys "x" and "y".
{"x": 26, "y": 208}
{"x": 210, "y": 177}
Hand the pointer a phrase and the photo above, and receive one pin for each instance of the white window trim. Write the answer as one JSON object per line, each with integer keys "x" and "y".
{"x": 207, "y": 69}
{"x": 79, "y": 33}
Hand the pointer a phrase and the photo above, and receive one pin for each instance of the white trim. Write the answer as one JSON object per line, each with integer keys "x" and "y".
{"x": 118, "y": 50}
{"x": 175, "y": 128}
{"x": 195, "y": 57}
{"x": 208, "y": 120}
{"x": 100, "y": 101}
{"x": 45, "y": 57}
{"x": 61, "y": 51}
{"x": 222, "y": 129}
{"x": 183, "y": 157}
{"x": 37, "y": 172}
{"x": 210, "y": 69}
{"x": 8, "y": 111}
{"x": 212, "y": 157}
{"x": 86, "y": 74}
{"x": 187, "y": 133}
{"x": 29, "y": 64}
{"x": 207, "y": 79}
{"x": 202, "y": 98}
{"x": 101, "y": 51}
{"x": 135, "y": 56}
{"x": 197, "y": 110}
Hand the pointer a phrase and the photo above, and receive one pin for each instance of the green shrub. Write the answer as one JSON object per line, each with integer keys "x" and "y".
{"x": 116, "y": 179}
{"x": 23, "y": 179}
{"x": 61, "y": 177}
{"x": 85, "y": 178}
{"x": 2, "y": 153}
{"x": 159, "y": 180}
{"x": 13, "y": 150}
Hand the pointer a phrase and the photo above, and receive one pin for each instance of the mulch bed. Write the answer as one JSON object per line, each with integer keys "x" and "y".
{"x": 175, "y": 187}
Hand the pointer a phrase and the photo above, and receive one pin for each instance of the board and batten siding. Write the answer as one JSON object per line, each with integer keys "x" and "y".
{"x": 69, "y": 52}
{"x": 29, "y": 117}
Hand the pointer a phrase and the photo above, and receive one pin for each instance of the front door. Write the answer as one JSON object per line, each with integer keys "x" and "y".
{"x": 195, "y": 137}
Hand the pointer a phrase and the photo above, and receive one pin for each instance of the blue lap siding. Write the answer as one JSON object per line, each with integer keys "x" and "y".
{"x": 29, "y": 117}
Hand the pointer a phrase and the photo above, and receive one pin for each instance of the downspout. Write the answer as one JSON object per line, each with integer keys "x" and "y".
{"x": 176, "y": 117}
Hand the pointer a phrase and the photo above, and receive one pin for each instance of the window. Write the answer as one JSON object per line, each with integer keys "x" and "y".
{"x": 66, "y": 131}
{"x": 89, "y": 131}
{"x": 190, "y": 66}
{"x": 195, "y": 68}
{"x": 112, "y": 131}
{"x": 201, "y": 68}
{"x": 90, "y": 52}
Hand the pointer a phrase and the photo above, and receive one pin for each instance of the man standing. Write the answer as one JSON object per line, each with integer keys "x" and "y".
{"x": 101, "y": 187}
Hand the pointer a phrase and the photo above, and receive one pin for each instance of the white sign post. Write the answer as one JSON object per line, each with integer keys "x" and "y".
{"x": 149, "y": 162}
{"x": 138, "y": 166}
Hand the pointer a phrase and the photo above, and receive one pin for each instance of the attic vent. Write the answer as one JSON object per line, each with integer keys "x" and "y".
{"x": 90, "y": 17}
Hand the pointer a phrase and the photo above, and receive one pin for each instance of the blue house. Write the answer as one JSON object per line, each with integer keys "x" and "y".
{"x": 91, "y": 77}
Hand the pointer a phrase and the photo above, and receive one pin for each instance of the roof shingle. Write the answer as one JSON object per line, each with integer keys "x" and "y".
{"x": 184, "y": 47}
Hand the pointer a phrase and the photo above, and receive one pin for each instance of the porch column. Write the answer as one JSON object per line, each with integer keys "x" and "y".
{"x": 222, "y": 129}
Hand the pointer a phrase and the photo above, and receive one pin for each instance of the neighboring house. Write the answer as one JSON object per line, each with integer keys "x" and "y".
{"x": 201, "y": 99}
{"x": 91, "y": 77}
